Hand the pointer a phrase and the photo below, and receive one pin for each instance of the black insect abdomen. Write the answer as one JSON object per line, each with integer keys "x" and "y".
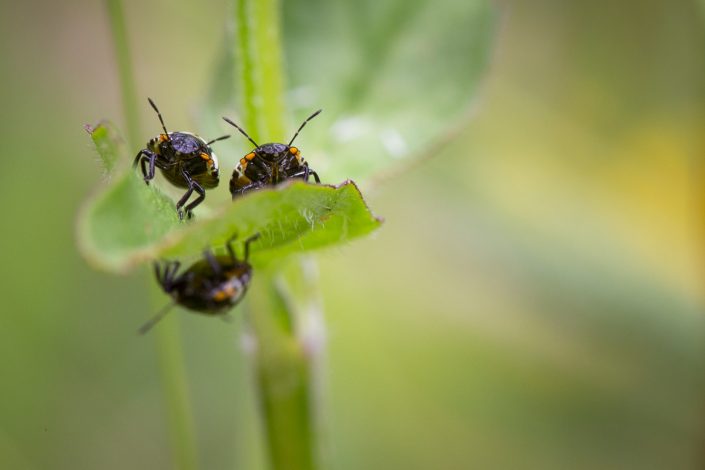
{"x": 213, "y": 293}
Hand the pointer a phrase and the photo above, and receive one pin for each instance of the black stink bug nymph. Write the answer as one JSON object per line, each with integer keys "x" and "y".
{"x": 212, "y": 285}
{"x": 269, "y": 164}
{"x": 185, "y": 159}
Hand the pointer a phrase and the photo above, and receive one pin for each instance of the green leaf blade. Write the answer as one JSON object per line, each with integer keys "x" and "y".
{"x": 108, "y": 144}
{"x": 130, "y": 223}
{"x": 123, "y": 222}
{"x": 394, "y": 78}
{"x": 292, "y": 218}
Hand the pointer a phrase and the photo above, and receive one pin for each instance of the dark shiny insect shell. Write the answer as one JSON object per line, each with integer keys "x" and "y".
{"x": 212, "y": 285}
{"x": 185, "y": 159}
{"x": 270, "y": 164}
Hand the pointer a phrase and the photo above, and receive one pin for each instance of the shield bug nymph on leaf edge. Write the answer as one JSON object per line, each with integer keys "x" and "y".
{"x": 185, "y": 159}
{"x": 270, "y": 164}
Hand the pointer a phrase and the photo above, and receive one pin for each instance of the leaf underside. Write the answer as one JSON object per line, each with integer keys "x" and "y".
{"x": 395, "y": 79}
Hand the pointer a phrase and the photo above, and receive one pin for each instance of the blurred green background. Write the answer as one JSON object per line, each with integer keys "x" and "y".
{"x": 534, "y": 300}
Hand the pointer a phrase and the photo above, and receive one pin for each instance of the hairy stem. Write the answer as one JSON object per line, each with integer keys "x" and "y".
{"x": 174, "y": 383}
{"x": 124, "y": 65}
{"x": 283, "y": 367}
{"x": 261, "y": 78}
{"x": 283, "y": 377}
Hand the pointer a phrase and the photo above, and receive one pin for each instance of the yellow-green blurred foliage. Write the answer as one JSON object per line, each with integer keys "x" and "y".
{"x": 534, "y": 300}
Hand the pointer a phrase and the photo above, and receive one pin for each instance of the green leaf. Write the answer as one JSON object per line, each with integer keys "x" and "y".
{"x": 393, "y": 78}
{"x": 107, "y": 142}
{"x": 117, "y": 227}
{"x": 130, "y": 223}
{"x": 291, "y": 218}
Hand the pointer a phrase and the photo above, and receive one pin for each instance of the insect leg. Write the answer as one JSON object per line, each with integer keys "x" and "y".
{"x": 240, "y": 191}
{"x": 185, "y": 197}
{"x": 215, "y": 266}
{"x": 145, "y": 171}
{"x": 231, "y": 250}
{"x": 315, "y": 176}
{"x": 158, "y": 272}
{"x": 143, "y": 157}
{"x": 152, "y": 162}
{"x": 305, "y": 173}
{"x": 166, "y": 273}
{"x": 201, "y": 196}
{"x": 138, "y": 156}
{"x": 170, "y": 273}
{"x": 247, "y": 245}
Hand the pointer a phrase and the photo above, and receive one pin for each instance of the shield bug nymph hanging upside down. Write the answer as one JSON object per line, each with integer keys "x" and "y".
{"x": 269, "y": 164}
{"x": 212, "y": 285}
{"x": 185, "y": 159}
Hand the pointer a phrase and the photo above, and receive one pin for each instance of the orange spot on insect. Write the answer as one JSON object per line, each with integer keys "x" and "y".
{"x": 250, "y": 156}
{"x": 293, "y": 150}
{"x": 223, "y": 294}
{"x": 205, "y": 156}
{"x": 219, "y": 296}
{"x": 243, "y": 161}
{"x": 163, "y": 137}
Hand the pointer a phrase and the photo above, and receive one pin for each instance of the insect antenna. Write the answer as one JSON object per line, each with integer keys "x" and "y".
{"x": 219, "y": 138}
{"x": 155, "y": 319}
{"x": 241, "y": 130}
{"x": 160, "y": 116}
{"x": 303, "y": 124}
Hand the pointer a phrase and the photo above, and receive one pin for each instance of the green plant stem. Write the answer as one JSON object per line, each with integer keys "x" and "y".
{"x": 261, "y": 77}
{"x": 174, "y": 384}
{"x": 173, "y": 374}
{"x": 283, "y": 377}
{"x": 124, "y": 65}
{"x": 283, "y": 369}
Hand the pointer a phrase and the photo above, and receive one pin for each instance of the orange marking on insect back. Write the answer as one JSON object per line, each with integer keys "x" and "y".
{"x": 243, "y": 161}
{"x": 205, "y": 156}
{"x": 250, "y": 156}
{"x": 293, "y": 150}
{"x": 225, "y": 293}
{"x": 219, "y": 296}
{"x": 163, "y": 137}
